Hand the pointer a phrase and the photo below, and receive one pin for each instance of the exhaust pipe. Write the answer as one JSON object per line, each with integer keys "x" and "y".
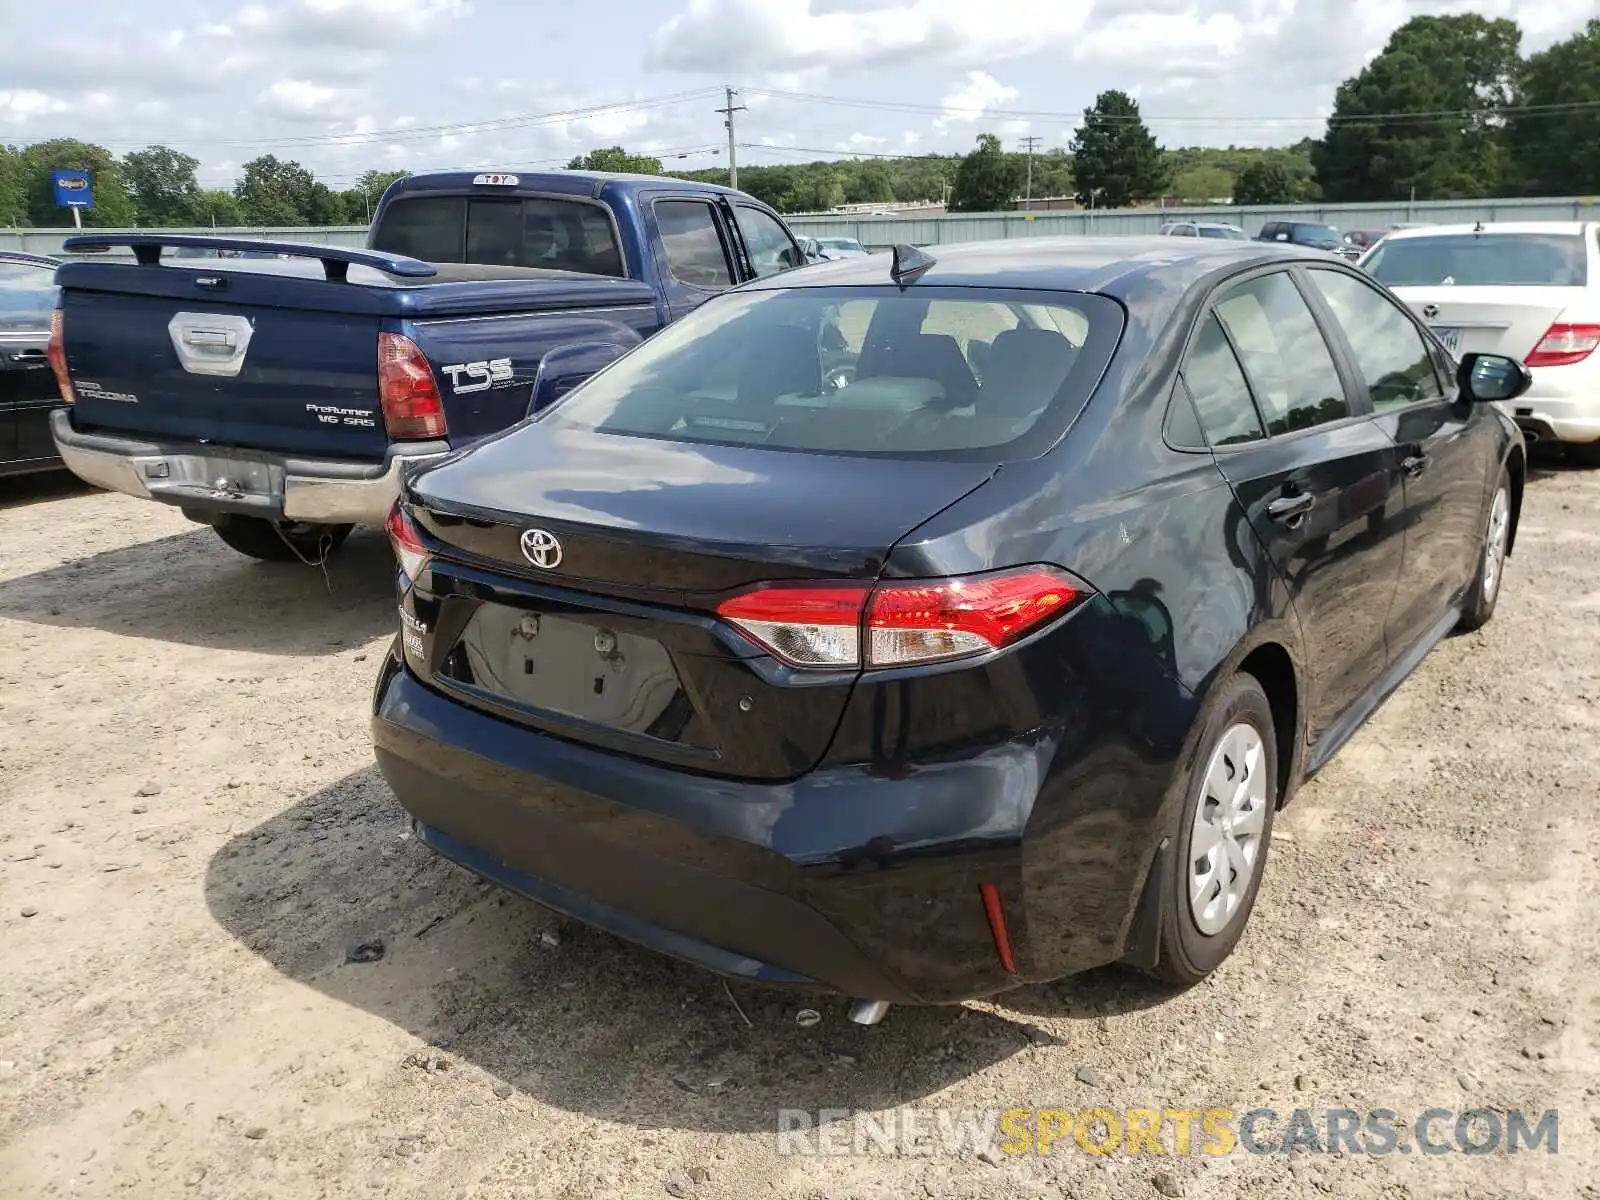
{"x": 868, "y": 1012}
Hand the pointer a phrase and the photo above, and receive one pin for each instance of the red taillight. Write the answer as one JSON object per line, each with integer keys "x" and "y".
{"x": 899, "y": 624}
{"x": 56, "y": 352}
{"x": 406, "y": 390}
{"x": 407, "y": 542}
{"x": 1562, "y": 345}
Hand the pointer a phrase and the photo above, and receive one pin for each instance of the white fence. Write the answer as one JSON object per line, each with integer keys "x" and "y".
{"x": 974, "y": 227}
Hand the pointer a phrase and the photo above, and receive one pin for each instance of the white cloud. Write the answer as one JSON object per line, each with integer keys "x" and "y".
{"x": 967, "y": 101}
{"x": 356, "y": 23}
{"x": 302, "y": 100}
{"x": 21, "y": 105}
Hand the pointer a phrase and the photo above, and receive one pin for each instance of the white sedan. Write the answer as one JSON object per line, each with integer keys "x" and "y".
{"x": 1530, "y": 290}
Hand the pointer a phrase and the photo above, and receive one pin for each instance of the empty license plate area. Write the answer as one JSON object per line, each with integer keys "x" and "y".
{"x": 580, "y": 668}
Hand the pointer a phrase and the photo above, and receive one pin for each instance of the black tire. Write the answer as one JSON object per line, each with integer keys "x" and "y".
{"x": 1585, "y": 454}
{"x": 280, "y": 541}
{"x": 1188, "y": 952}
{"x": 1483, "y": 594}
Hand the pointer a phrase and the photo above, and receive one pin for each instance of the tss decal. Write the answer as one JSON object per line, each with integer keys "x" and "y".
{"x": 481, "y": 376}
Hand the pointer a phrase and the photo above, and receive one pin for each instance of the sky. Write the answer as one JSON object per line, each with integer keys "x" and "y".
{"x": 347, "y": 85}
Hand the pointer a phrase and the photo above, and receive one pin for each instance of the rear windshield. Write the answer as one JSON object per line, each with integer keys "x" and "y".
{"x": 1221, "y": 231}
{"x": 932, "y": 372}
{"x": 1481, "y": 259}
{"x": 1316, "y": 235}
{"x": 839, "y": 243}
{"x": 559, "y": 235}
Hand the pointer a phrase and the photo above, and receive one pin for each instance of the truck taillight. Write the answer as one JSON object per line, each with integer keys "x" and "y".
{"x": 56, "y": 352}
{"x": 407, "y": 391}
{"x": 1563, "y": 344}
{"x": 900, "y": 623}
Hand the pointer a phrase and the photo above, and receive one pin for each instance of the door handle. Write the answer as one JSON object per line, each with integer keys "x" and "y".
{"x": 1415, "y": 464}
{"x": 1291, "y": 510}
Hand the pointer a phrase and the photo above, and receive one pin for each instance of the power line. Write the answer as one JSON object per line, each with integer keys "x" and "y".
{"x": 407, "y": 133}
{"x": 1077, "y": 117}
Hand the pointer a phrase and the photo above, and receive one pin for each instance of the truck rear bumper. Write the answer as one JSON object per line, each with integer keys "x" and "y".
{"x": 230, "y": 479}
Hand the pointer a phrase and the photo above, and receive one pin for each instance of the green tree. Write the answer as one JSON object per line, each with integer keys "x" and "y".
{"x": 275, "y": 192}
{"x": 868, "y": 183}
{"x": 1264, "y": 182}
{"x": 615, "y": 158}
{"x": 1115, "y": 158}
{"x": 1377, "y": 147}
{"x": 1202, "y": 183}
{"x": 13, "y": 186}
{"x": 162, "y": 183}
{"x": 1554, "y": 146}
{"x": 214, "y": 207}
{"x": 113, "y": 207}
{"x": 987, "y": 180}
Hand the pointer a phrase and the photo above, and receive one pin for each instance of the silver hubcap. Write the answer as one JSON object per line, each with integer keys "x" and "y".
{"x": 1225, "y": 841}
{"x": 1494, "y": 551}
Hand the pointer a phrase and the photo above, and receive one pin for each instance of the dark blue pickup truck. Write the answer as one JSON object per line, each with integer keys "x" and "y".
{"x": 278, "y": 391}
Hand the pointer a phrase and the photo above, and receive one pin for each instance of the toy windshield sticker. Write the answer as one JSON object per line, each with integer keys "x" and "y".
{"x": 496, "y": 180}
{"x": 94, "y": 391}
{"x": 330, "y": 414}
{"x": 481, "y": 376}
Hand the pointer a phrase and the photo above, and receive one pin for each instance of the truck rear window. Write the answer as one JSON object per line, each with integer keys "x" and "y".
{"x": 535, "y": 231}
{"x": 932, "y": 372}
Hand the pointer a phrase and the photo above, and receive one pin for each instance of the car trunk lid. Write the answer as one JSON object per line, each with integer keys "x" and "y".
{"x": 614, "y": 640}
{"x": 1491, "y": 320}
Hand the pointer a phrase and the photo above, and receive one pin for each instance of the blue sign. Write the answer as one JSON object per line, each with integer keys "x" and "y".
{"x": 73, "y": 189}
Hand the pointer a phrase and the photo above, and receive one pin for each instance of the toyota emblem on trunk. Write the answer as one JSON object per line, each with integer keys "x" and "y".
{"x": 540, "y": 547}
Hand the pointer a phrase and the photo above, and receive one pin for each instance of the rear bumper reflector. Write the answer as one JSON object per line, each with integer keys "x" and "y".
{"x": 997, "y": 926}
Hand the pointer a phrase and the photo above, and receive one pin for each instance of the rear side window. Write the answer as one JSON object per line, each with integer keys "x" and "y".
{"x": 1396, "y": 364}
{"x": 1289, "y": 364}
{"x": 535, "y": 231}
{"x": 27, "y": 297}
{"x": 1221, "y": 396}
{"x": 1481, "y": 260}
{"x": 771, "y": 249}
{"x": 861, "y": 371}
{"x": 689, "y": 233}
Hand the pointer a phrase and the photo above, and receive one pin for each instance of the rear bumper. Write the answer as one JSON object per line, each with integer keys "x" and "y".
{"x": 254, "y": 483}
{"x": 1562, "y": 405}
{"x": 842, "y": 880}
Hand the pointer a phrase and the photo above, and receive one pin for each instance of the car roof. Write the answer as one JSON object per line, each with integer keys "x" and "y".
{"x": 1113, "y": 265}
{"x": 1567, "y": 227}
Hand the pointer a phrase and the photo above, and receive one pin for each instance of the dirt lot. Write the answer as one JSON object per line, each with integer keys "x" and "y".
{"x": 193, "y": 837}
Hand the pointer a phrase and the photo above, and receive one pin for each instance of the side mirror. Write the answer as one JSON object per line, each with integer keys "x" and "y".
{"x": 565, "y": 367}
{"x": 1488, "y": 378}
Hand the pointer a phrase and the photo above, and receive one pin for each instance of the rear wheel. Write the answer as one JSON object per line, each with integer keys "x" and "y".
{"x": 280, "y": 541}
{"x": 1223, "y": 829}
{"x": 1484, "y": 593}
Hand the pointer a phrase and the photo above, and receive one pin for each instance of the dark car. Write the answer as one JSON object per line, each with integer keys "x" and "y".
{"x": 27, "y": 387}
{"x": 943, "y": 680}
{"x": 1302, "y": 233}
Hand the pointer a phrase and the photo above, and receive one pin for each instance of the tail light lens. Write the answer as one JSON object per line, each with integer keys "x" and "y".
{"x": 56, "y": 352}
{"x": 404, "y": 536}
{"x": 1563, "y": 345}
{"x": 407, "y": 391}
{"x": 900, "y": 624}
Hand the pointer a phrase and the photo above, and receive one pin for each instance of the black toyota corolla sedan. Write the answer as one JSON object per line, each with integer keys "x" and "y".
{"x": 918, "y": 627}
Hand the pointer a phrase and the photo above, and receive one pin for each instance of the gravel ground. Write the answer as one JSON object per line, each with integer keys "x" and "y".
{"x": 193, "y": 841}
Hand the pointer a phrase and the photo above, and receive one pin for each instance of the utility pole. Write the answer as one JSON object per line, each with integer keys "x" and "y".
{"x": 1027, "y": 197}
{"x": 733, "y": 162}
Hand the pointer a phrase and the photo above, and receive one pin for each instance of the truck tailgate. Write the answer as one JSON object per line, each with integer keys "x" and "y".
{"x": 225, "y": 371}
